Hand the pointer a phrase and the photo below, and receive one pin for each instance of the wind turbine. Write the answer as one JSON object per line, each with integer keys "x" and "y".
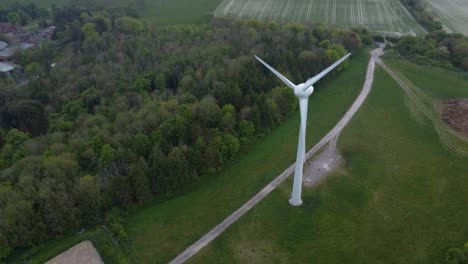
{"x": 302, "y": 92}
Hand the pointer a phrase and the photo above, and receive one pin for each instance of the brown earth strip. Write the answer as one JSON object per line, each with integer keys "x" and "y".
{"x": 455, "y": 115}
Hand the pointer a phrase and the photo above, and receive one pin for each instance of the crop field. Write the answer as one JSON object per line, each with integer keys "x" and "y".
{"x": 399, "y": 197}
{"x": 452, "y": 13}
{"x": 382, "y": 16}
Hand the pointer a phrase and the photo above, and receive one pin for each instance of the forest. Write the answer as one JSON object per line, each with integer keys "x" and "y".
{"x": 117, "y": 113}
{"x": 20, "y": 13}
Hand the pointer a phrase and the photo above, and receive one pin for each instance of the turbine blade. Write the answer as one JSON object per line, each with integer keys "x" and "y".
{"x": 284, "y": 79}
{"x": 319, "y": 76}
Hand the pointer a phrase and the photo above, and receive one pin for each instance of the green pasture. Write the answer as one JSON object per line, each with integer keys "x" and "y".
{"x": 399, "y": 198}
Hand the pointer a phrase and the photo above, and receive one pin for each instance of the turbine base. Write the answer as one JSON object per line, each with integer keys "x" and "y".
{"x": 295, "y": 203}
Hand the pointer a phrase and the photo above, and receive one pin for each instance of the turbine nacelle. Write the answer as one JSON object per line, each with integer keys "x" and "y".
{"x": 303, "y": 91}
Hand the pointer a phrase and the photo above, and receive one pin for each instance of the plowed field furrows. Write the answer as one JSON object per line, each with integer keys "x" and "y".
{"x": 383, "y": 16}
{"x": 452, "y": 13}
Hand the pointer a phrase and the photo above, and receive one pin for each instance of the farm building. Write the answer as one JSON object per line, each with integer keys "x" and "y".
{"x": 7, "y": 53}
{"x": 8, "y": 69}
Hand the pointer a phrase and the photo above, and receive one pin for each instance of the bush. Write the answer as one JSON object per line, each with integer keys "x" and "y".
{"x": 457, "y": 255}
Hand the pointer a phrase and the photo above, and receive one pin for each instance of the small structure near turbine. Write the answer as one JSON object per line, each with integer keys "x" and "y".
{"x": 302, "y": 92}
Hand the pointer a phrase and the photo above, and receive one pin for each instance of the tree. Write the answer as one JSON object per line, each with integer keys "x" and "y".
{"x": 141, "y": 145}
{"x": 23, "y": 18}
{"x": 228, "y": 121}
{"x": 33, "y": 70}
{"x": 26, "y": 115}
{"x": 464, "y": 64}
{"x": 107, "y": 154}
{"x": 14, "y": 149}
{"x": 129, "y": 25}
{"x": 352, "y": 41}
{"x": 13, "y": 17}
{"x": 90, "y": 199}
{"x": 207, "y": 112}
{"x": 177, "y": 168}
{"x": 246, "y": 130}
{"x": 139, "y": 181}
{"x": 457, "y": 255}
{"x": 115, "y": 221}
{"x": 229, "y": 147}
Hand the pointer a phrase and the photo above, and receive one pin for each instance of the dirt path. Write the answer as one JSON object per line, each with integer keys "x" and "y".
{"x": 332, "y": 137}
{"x": 83, "y": 252}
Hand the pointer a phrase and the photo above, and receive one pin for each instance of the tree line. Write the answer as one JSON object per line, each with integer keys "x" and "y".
{"x": 438, "y": 47}
{"x": 130, "y": 113}
{"x": 22, "y": 13}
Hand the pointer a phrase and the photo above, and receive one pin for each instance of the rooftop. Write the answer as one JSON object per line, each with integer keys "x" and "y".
{"x": 7, "y": 66}
{"x": 11, "y": 50}
{"x": 3, "y": 45}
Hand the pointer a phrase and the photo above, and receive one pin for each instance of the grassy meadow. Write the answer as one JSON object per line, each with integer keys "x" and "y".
{"x": 399, "y": 198}
{"x": 159, "y": 232}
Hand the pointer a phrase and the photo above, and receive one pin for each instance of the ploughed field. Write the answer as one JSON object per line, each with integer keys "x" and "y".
{"x": 455, "y": 115}
{"x": 452, "y": 13}
{"x": 382, "y": 16}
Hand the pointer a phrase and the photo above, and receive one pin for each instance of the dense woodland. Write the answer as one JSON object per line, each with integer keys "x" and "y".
{"x": 129, "y": 113}
{"x": 418, "y": 9}
{"x": 22, "y": 14}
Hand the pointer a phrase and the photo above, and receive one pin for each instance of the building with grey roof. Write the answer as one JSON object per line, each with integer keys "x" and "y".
{"x": 7, "y": 53}
{"x": 3, "y": 45}
{"x": 8, "y": 69}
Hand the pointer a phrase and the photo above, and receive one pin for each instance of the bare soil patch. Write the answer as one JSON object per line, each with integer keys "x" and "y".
{"x": 321, "y": 166}
{"x": 455, "y": 115}
{"x": 81, "y": 253}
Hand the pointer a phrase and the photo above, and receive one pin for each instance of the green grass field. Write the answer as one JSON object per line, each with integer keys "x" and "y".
{"x": 400, "y": 198}
{"x": 445, "y": 84}
{"x": 381, "y": 16}
{"x": 159, "y": 232}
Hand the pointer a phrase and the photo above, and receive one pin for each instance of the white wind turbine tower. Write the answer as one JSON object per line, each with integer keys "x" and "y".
{"x": 302, "y": 91}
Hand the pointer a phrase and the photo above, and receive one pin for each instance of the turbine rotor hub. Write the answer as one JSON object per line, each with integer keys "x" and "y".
{"x": 301, "y": 91}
